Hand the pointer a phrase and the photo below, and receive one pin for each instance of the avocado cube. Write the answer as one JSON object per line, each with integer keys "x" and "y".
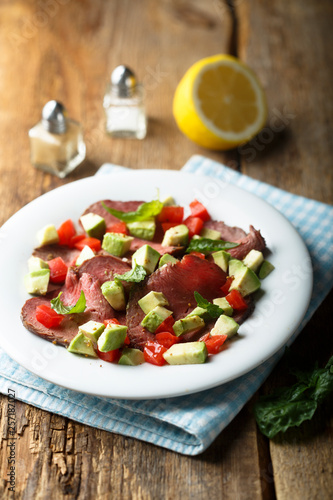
{"x": 176, "y": 236}
{"x": 94, "y": 225}
{"x": 112, "y": 338}
{"x": 169, "y": 201}
{"x": 253, "y": 260}
{"x": 147, "y": 257}
{"x": 86, "y": 254}
{"x": 142, "y": 229}
{"x": 36, "y": 264}
{"x": 245, "y": 281}
{"x": 188, "y": 353}
{"x": 114, "y": 293}
{"x": 92, "y": 330}
{"x": 155, "y": 317}
{"x": 116, "y": 243}
{"x": 132, "y": 357}
{"x": 225, "y": 326}
{"x": 265, "y": 269}
{"x": 210, "y": 233}
{"x": 167, "y": 258}
{"x": 224, "y": 304}
{"x": 199, "y": 311}
{"x": 152, "y": 300}
{"x": 82, "y": 345}
{"x": 221, "y": 259}
{"x": 188, "y": 324}
{"x": 36, "y": 282}
{"x": 48, "y": 235}
{"x": 234, "y": 266}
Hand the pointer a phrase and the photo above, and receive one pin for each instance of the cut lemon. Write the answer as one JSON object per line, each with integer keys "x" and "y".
{"x": 219, "y": 103}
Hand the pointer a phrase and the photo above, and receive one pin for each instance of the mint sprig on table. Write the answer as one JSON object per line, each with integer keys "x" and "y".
{"x": 60, "y": 308}
{"x": 135, "y": 275}
{"x": 213, "y": 310}
{"x": 144, "y": 211}
{"x": 291, "y": 406}
{"x": 206, "y": 245}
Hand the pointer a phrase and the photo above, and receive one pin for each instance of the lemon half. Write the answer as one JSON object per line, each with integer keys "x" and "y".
{"x": 219, "y": 103}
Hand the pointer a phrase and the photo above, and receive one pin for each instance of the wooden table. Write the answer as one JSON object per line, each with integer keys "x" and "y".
{"x": 65, "y": 50}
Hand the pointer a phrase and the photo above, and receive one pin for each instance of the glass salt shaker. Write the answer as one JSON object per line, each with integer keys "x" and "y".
{"x": 56, "y": 142}
{"x": 124, "y": 105}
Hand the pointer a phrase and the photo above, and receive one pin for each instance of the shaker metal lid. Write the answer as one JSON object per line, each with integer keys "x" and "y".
{"x": 53, "y": 117}
{"x": 123, "y": 81}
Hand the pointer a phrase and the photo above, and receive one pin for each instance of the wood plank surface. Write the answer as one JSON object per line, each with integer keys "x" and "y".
{"x": 66, "y": 49}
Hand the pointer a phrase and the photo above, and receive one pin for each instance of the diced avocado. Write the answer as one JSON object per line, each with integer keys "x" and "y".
{"x": 94, "y": 225}
{"x": 221, "y": 259}
{"x": 176, "y": 236}
{"x": 132, "y": 357}
{"x": 36, "y": 282}
{"x": 196, "y": 237}
{"x": 201, "y": 312}
{"x": 167, "y": 258}
{"x": 82, "y": 345}
{"x": 210, "y": 233}
{"x": 36, "y": 264}
{"x": 234, "y": 266}
{"x": 116, "y": 243}
{"x": 144, "y": 229}
{"x": 188, "y": 324}
{"x": 224, "y": 304}
{"x": 114, "y": 293}
{"x": 92, "y": 330}
{"x": 253, "y": 260}
{"x": 265, "y": 269}
{"x": 188, "y": 353}
{"x": 225, "y": 326}
{"x": 169, "y": 201}
{"x": 152, "y": 300}
{"x": 155, "y": 317}
{"x": 112, "y": 338}
{"x": 147, "y": 257}
{"x": 86, "y": 254}
{"x": 245, "y": 281}
{"x": 48, "y": 235}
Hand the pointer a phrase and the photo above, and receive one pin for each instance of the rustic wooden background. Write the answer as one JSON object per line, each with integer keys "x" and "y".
{"x": 65, "y": 49}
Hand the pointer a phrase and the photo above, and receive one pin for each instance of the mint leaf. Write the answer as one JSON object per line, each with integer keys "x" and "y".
{"x": 206, "y": 245}
{"x": 60, "y": 308}
{"x": 144, "y": 211}
{"x": 135, "y": 275}
{"x": 213, "y": 310}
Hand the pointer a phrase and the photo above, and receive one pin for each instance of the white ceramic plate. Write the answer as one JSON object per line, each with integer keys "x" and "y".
{"x": 280, "y": 309}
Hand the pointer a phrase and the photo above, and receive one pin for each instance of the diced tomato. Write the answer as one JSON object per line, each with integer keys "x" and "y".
{"x": 166, "y": 339}
{"x": 110, "y": 356}
{"x": 153, "y": 353}
{"x": 113, "y": 321}
{"x": 58, "y": 270}
{"x": 166, "y": 325}
{"x": 75, "y": 239}
{"x": 194, "y": 225}
{"x": 236, "y": 300}
{"x": 198, "y": 210}
{"x": 214, "y": 343}
{"x": 47, "y": 316}
{"x": 171, "y": 214}
{"x": 66, "y": 231}
{"x": 226, "y": 286}
{"x": 168, "y": 225}
{"x": 199, "y": 254}
{"x": 127, "y": 340}
{"x": 118, "y": 227}
{"x": 93, "y": 243}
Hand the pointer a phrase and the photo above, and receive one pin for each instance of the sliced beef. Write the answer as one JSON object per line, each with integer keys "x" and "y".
{"x": 104, "y": 267}
{"x": 177, "y": 282}
{"x": 228, "y": 233}
{"x": 252, "y": 241}
{"x": 49, "y": 252}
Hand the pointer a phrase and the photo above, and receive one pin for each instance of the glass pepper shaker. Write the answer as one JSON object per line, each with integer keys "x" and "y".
{"x": 56, "y": 142}
{"x": 124, "y": 105}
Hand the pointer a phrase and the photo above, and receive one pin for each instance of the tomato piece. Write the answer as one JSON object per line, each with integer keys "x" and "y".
{"x": 110, "y": 356}
{"x": 153, "y": 353}
{"x": 171, "y": 214}
{"x": 66, "y": 231}
{"x": 166, "y": 326}
{"x": 226, "y": 286}
{"x": 214, "y": 343}
{"x": 166, "y": 339}
{"x": 113, "y": 321}
{"x": 75, "y": 239}
{"x": 47, "y": 316}
{"x": 199, "y": 254}
{"x": 58, "y": 270}
{"x": 127, "y": 340}
{"x": 198, "y": 210}
{"x": 118, "y": 227}
{"x": 194, "y": 225}
{"x": 205, "y": 337}
{"x": 236, "y": 300}
{"x": 168, "y": 225}
{"x": 93, "y": 243}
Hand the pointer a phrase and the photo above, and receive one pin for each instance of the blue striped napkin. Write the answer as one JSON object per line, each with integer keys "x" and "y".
{"x": 188, "y": 424}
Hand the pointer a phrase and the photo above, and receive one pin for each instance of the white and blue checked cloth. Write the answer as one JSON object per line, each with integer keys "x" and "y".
{"x": 188, "y": 424}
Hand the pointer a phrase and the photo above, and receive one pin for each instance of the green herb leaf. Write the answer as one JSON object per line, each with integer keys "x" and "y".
{"x": 206, "y": 245}
{"x": 144, "y": 212}
{"x": 60, "y": 308}
{"x": 213, "y": 310}
{"x": 290, "y": 406}
{"x": 135, "y": 275}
